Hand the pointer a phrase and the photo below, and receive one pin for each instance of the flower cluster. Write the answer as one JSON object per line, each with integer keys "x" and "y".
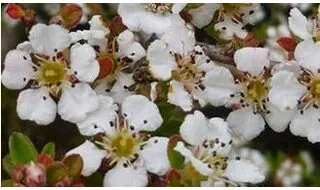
{"x": 111, "y": 78}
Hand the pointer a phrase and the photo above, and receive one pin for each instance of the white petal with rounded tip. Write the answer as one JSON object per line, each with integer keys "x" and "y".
{"x": 279, "y": 120}
{"x": 252, "y": 59}
{"x": 307, "y": 124}
{"x": 178, "y": 96}
{"x": 17, "y": 70}
{"x": 218, "y": 128}
{"x": 161, "y": 62}
{"x": 285, "y": 90}
{"x": 298, "y": 24}
{"x": 26, "y": 47}
{"x": 103, "y": 120}
{"x": 141, "y": 113}
{"x": 197, "y": 164}
{"x": 252, "y": 17}
{"x": 228, "y": 29}
{"x": 203, "y": 15}
{"x": 154, "y": 155}
{"x": 179, "y": 38}
{"x": 126, "y": 37}
{"x": 119, "y": 91}
{"x": 96, "y": 23}
{"x": 194, "y": 128}
{"x": 83, "y": 62}
{"x": 130, "y": 176}
{"x": 130, "y": 14}
{"x": 36, "y": 105}
{"x": 91, "y": 157}
{"x": 177, "y": 7}
{"x": 161, "y": 23}
{"x": 245, "y": 124}
{"x": 290, "y": 66}
{"x": 307, "y": 54}
{"x": 243, "y": 171}
{"x": 49, "y": 39}
{"x": 219, "y": 85}
{"x": 77, "y": 102}
{"x": 133, "y": 51}
{"x": 153, "y": 91}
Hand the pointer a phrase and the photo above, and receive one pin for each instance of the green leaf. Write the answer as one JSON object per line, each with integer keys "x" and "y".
{"x": 7, "y": 164}
{"x": 56, "y": 172}
{"x": 49, "y": 149}
{"x": 21, "y": 149}
{"x": 74, "y": 165}
{"x": 7, "y": 183}
{"x": 175, "y": 158}
{"x": 173, "y": 117}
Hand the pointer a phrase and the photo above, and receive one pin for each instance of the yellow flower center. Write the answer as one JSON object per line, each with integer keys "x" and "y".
{"x": 123, "y": 145}
{"x": 51, "y": 72}
{"x": 158, "y": 7}
{"x": 255, "y": 90}
{"x": 315, "y": 89}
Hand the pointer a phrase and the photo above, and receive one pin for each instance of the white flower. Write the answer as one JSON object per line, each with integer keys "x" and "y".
{"x": 150, "y": 18}
{"x": 289, "y": 173}
{"x": 249, "y": 93}
{"x": 119, "y": 84}
{"x": 291, "y": 89}
{"x": 130, "y": 152}
{"x": 256, "y": 157}
{"x": 301, "y": 26}
{"x": 209, "y": 153}
{"x": 193, "y": 75}
{"x": 229, "y": 28}
{"x": 53, "y": 74}
{"x": 203, "y": 15}
{"x": 233, "y": 18}
{"x": 96, "y": 35}
{"x": 156, "y": 18}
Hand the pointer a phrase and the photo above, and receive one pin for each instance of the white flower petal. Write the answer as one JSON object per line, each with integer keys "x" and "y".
{"x": 17, "y": 70}
{"x": 203, "y": 15}
{"x": 218, "y": 128}
{"x": 141, "y": 113}
{"x": 154, "y": 155}
{"x": 161, "y": 62}
{"x": 160, "y": 23}
{"x": 245, "y": 124}
{"x": 36, "y": 105}
{"x": 243, "y": 171}
{"x": 197, "y": 164}
{"x": 277, "y": 119}
{"x": 119, "y": 91}
{"x": 130, "y": 14}
{"x": 285, "y": 90}
{"x": 178, "y": 96}
{"x": 290, "y": 66}
{"x": 219, "y": 84}
{"x": 77, "y": 102}
{"x": 306, "y": 124}
{"x": 179, "y": 38}
{"x": 83, "y": 62}
{"x": 153, "y": 91}
{"x": 298, "y": 24}
{"x": 177, "y": 7}
{"x": 252, "y": 14}
{"x": 228, "y": 29}
{"x": 126, "y": 37}
{"x": 25, "y": 46}
{"x": 103, "y": 120}
{"x": 91, "y": 157}
{"x": 49, "y": 39}
{"x": 252, "y": 59}
{"x": 307, "y": 54}
{"x": 194, "y": 129}
{"x": 96, "y": 23}
{"x": 130, "y": 176}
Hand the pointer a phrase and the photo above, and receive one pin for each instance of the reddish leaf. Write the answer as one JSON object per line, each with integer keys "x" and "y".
{"x": 116, "y": 26}
{"x": 15, "y": 11}
{"x": 44, "y": 159}
{"x": 106, "y": 66}
{"x": 287, "y": 43}
{"x": 70, "y": 14}
{"x": 74, "y": 165}
{"x": 173, "y": 178}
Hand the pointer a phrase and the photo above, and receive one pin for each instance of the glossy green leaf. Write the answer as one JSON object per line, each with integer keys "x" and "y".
{"x": 21, "y": 149}
{"x": 56, "y": 172}
{"x": 74, "y": 165}
{"x": 7, "y": 164}
{"x": 175, "y": 158}
{"x": 49, "y": 149}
